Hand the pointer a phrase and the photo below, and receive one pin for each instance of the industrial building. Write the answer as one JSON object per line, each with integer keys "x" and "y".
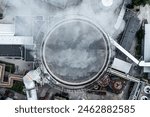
{"x": 15, "y": 47}
{"x": 74, "y": 50}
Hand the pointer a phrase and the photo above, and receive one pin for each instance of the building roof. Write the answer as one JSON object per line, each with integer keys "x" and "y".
{"x": 16, "y": 40}
{"x": 131, "y": 28}
{"x": 17, "y": 52}
{"x": 121, "y": 65}
{"x": 7, "y": 29}
{"x": 9, "y": 51}
{"x": 147, "y": 47}
{"x": 28, "y": 54}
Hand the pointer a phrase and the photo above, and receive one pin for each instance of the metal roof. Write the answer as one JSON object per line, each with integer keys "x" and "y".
{"x": 16, "y": 40}
{"x": 17, "y": 52}
{"x": 121, "y": 65}
{"x": 132, "y": 27}
{"x": 11, "y": 51}
{"x": 7, "y": 29}
{"x": 147, "y": 47}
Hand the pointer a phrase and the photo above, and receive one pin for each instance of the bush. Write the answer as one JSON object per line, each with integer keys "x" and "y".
{"x": 18, "y": 87}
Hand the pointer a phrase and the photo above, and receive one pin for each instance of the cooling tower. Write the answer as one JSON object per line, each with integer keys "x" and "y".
{"x": 75, "y": 53}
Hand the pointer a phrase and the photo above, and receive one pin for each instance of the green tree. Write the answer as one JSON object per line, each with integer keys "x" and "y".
{"x": 18, "y": 87}
{"x": 140, "y": 2}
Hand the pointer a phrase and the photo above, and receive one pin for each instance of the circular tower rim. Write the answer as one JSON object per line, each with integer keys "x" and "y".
{"x": 91, "y": 80}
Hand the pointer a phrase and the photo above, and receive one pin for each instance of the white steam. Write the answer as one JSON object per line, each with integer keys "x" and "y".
{"x": 94, "y": 9}
{"x": 27, "y": 10}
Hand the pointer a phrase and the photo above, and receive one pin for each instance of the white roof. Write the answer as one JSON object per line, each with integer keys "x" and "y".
{"x": 16, "y": 40}
{"x": 120, "y": 18}
{"x": 121, "y": 65}
{"x": 147, "y": 47}
{"x": 107, "y": 3}
{"x": 28, "y": 80}
{"x": 7, "y": 29}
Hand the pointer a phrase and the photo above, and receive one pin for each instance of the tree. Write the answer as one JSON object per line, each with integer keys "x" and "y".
{"x": 140, "y": 2}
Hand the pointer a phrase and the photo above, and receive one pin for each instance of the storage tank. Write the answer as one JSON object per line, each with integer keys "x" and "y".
{"x": 144, "y": 98}
{"x": 147, "y": 90}
{"x": 75, "y": 53}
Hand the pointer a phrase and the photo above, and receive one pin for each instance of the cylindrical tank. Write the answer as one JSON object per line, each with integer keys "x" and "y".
{"x": 117, "y": 86}
{"x": 147, "y": 89}
{"x": 104, "y": 82}
{"x": 144, "y": 98}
